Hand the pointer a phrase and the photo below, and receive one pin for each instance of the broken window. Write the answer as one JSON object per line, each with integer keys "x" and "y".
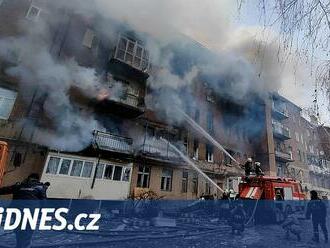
{"x": 33, "y": 13}
{"x": 53, "y": 164}
{"x": 166, "y": 180}
{"x": 117, "y": 173}
{"x": 209, "y": 153}
{"x": 196, "y": 149}
{"x": 7, "y": 101}
{"x": 143, "y": 177}
{"x": 88, "y": 38}
{"x": 126, "y": 174}
{"x": 108, "y": 172}
{"x": 184, "y": 185}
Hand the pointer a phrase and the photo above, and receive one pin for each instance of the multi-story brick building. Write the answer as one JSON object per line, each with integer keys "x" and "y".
{"x": 297, "y": 146}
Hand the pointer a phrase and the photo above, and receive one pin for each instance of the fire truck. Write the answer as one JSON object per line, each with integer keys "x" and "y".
{"x": 278, "y": 194}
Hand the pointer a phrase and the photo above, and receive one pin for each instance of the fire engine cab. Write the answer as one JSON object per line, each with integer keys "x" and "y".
{"x": 278, "y": 194}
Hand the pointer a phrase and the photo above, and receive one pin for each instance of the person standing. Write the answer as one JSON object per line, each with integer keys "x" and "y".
{"x": 318, "y": 211}
{"x": 248, "y": 167}
{"x": 258, "y": 169}
{"x": 29, "y": 189}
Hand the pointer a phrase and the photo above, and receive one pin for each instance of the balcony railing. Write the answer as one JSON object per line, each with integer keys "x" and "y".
{"x": 131, "y": 101}
{"x": 158, "y": 148}
{"x": 280, "y": 131}
{"x": 111, "y": 142}
{"x": 319, "y": 170}
{"x": 283, "y": 155}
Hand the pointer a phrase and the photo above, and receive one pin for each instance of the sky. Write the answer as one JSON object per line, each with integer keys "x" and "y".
{"x": 298, "y": 84}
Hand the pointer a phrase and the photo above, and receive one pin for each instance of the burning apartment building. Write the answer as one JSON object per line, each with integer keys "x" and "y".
{"x": 88, "y": 104}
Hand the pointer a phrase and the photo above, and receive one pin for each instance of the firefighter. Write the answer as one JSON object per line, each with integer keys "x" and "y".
{"x": 258, "y": 169}
{"x": 317, "y": 209}
{"x": 248, "y": 167}
{"x": 30, "y": 189}
{"x": 237, "y": 218}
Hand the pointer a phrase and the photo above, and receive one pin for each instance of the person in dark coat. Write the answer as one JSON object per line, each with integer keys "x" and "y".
{"x": 258, "y": 169}
{"x": 30, "y": 189}
{"x": 237, "y": 218}
{"x": 248, "y": 167}
{"x": 318, "y": 211}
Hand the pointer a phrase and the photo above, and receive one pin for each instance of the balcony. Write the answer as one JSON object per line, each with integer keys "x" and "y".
{"x": 280, "y": 131}
{"x": 316, "y": 169}
{"x": 283, "y": 156}
{"x": 279, "y": 111}
{"x": 121, "y": 100}
{"x": 159, "y": 150}
{"x": 130, "y": 57}
{"x": 112, "y": 143}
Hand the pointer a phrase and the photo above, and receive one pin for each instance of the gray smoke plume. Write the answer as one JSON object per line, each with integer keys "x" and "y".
{"x": 70, "y": 128}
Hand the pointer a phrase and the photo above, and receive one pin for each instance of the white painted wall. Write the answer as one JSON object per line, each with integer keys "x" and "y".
{"x": 70, "y": 187}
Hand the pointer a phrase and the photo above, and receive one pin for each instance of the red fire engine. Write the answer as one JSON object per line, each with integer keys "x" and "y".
{"x": 270, "y": 188}
{"x": 279, "y": 195}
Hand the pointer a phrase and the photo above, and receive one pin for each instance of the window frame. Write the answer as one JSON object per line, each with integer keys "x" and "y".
{"x": 194, "y": 181}
{"x": 166, "y": 180}
{"x": 143, "y": 175}
{"x": 82, "y": 166}
{"x": 209, "y": 153}
{"x": 121, "y": 173}
{"x": 144, "y": 58}
{"x": 112, "y": 171}
{"x": 60, "y": 167}
{"x": 57, "y": 167}
{"x": 35, "y": 18}
{"x": 196, "y": 149}
{"x": 89, "y": 38}
{"x": 91, "y": 171}
{"x": 184, "y": 181}
{"x": 7, "y": 96}
{"x": 95, "y": 164}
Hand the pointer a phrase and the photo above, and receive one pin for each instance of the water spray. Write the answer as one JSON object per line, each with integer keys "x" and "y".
{"x": 192, "y": 164}
{"x": 199, "y": 129}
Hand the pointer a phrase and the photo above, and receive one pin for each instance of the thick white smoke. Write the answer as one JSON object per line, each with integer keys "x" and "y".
{"x": 69, "y": 128}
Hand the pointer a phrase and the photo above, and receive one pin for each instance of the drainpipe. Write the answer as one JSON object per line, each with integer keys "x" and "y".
{"x": 97, "y": 165}
{"x": 96, "y": 168}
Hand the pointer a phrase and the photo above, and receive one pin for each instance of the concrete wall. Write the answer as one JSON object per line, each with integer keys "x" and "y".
{"x": 176, "y": 191}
